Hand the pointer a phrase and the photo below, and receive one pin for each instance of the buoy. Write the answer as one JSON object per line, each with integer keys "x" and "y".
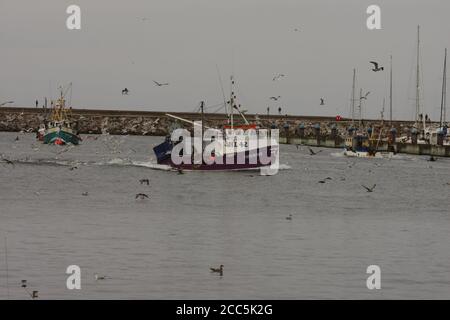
{"x": 59, "y": 142}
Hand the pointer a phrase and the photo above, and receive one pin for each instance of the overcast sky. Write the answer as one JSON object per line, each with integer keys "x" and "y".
{"x": 182, "y": 41}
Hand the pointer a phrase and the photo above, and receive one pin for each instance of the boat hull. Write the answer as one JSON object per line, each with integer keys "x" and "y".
{"x": 61, "y": 137}
{"x": 249, "y": 160}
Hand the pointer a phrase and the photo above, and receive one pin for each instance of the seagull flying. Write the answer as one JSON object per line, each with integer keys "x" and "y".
{"x": 141, "y": 196}
{"x": 376, "y": 67}
{"x": 125, "y": 92}
{"x": 365, "y": 96}
{"x": 322, "y": 101}
{"x": 275, "y": 98}
{"x": 278, "y": 77}
{"x": 312, "y": 152}
{"x": 145, "y": 181}
{"x": 369, "y": 189}
{"x": 160, "y": 84}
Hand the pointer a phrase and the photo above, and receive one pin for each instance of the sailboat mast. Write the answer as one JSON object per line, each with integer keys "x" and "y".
{"x": 418, "y": 77}
{"x": 444, "y": 91}
{"x": 353, "y": 97}
{"x": 390, "y": 95}
{"x": 232, "y": 102}
{"x": 360, "y": 107}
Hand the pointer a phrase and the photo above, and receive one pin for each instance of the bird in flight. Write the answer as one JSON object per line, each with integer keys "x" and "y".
{"x": 125, "y": 92}
{"x": 160, "y": 84}
{"x": 278, "y": 77}
{"x": 369, "y": 189}
{"x": 322, "y": 101}
{"x": 141, "y": 196}
{"x": 275, "y": 98}
{"x": 365, "y": 96}
{"x": 376, "y": 67}
{"x": 5, "y": 103}
{"x": 217, "y": 270}
{"x": 312, "y": 152}
{"x": 145, "y": 181}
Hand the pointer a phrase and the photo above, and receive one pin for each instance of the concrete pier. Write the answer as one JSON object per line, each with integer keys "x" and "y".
{"x": 294, "y": 129}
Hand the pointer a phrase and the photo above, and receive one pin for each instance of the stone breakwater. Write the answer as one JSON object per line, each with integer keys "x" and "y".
{"x": 92, "y": 121}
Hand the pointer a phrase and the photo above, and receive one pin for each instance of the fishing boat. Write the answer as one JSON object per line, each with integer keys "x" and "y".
{"x": 233, "y": 152}
{"x": 361, "y": 146}
{"x": 60, "y": 129}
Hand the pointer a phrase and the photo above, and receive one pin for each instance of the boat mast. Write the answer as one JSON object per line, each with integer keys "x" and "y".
{"x": 418, "y": 78}
{"x": 353, "y": 98}
{"x": 360, "y": 108}
{"x": 390, "y": 96}
{"x": 232, "y": 102}
{"x": 444, "y": 91}
{"x": 202, "y": 104}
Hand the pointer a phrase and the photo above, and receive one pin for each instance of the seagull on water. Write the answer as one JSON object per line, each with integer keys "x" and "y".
{"x": 217, "y": 270}
{"x": 97, "y": 277}
{"x": 325, "y": 180}
{"x": 8, "y": 161}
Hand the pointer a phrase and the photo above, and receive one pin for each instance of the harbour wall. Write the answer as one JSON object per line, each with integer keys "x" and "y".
{"x": 294, "y": 129}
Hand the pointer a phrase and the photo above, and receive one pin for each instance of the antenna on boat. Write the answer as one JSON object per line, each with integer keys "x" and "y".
{"x": 232, "y": 102}
{"x": 360, "y": 108}
{"x": 444, "y": 91}
{"x": 418, "y": 78}
{"x": 390, "y": 94}
{"x": 353, "y": 98}
{"x": 202, "y": 106}
{"x": 223, "y": 91}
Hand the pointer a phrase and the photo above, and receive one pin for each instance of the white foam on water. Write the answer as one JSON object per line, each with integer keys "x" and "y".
{"x": 152, "y": 165}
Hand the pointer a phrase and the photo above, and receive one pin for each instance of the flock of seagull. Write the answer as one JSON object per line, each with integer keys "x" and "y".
{"x": 279, "y": 76}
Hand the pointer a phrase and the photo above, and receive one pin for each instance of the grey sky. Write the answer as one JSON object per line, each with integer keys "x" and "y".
{"x": 183, "y": 40}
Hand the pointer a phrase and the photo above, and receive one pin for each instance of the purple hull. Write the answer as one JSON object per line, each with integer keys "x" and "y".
{"x": 248, "y": 164}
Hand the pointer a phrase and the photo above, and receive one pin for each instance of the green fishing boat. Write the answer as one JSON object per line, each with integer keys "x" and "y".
{"x": 60, "y": 129}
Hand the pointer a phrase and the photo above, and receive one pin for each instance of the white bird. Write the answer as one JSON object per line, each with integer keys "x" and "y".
{"x": 97, "y": 277}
